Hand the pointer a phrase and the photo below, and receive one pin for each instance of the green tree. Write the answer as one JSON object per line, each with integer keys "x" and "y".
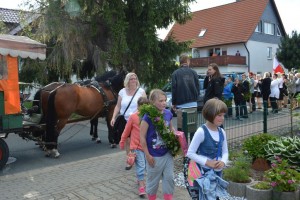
{"x": 289, "y": 51}
{"x": 116, "y": 33}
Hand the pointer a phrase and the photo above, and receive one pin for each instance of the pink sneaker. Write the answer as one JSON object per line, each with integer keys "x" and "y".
{"x": 142, "y": 191}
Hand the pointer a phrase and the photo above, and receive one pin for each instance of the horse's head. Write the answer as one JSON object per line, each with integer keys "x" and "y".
{"x": 117, "y": 81}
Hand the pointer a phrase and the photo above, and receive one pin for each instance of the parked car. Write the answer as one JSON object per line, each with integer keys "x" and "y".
{"x": 168, "y": 90}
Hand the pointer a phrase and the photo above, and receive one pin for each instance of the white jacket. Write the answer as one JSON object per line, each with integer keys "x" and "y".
{"x": 275, "y": 88}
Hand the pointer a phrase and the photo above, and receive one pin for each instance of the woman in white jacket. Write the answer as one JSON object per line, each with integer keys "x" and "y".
{"x": 274, "y": 93}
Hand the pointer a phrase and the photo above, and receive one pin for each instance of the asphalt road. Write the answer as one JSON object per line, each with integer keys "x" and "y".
{"x": 74, "y": 144}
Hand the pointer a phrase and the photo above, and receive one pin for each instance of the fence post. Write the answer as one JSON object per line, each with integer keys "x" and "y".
{"x": 265, "y": 113}
{"x": 189, "y": 122}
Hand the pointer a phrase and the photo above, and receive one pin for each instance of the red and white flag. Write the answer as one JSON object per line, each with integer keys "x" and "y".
{"x": 277, "y": 66}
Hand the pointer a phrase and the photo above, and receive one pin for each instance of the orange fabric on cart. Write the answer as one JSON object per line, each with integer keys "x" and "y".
{"x": 11, "y": 87}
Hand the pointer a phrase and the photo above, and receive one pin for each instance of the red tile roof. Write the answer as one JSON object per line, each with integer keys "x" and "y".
{"x": 226, "y": 24}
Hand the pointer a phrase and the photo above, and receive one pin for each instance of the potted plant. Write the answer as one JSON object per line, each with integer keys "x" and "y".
{"x": 238, "y": 175}
{"x": 287, "y": 148}
{"x": 284, "y": 179}
{"x": 254, "y": 147}
{"x": 259, "y": 190}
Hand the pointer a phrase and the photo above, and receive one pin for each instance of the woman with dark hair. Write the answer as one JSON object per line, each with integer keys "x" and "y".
{"x": 213, "y": 83}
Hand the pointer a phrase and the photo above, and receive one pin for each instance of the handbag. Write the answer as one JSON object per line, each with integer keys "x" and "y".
{"x": 120, "y": 122}
{"x": 131, "y": 156}
{"x": 182, "y": 141}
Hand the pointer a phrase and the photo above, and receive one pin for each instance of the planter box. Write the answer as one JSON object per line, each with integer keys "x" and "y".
{"x": 286, "y": 195}
{"x": 257, "y": 194}
{"x": 237, "y": 189}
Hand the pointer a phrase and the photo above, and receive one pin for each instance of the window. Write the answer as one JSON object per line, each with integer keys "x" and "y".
{"x": 269, "y": 28}
{"x": 278, "y": 32}
{"x": 269, "y": 52}
{"x": 258, "y": 28}
{"x": 202, "y": 32}
{"x": 3, "y": 67}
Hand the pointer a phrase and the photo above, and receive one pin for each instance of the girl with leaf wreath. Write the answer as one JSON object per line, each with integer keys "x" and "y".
{"x": 159, "y": 144}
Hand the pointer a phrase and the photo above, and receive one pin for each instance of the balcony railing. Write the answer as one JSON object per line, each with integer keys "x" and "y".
{"x": 220, "y": 60}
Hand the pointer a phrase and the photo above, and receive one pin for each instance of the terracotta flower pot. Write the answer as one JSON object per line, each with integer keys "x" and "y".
{"x": 258, "y": 194}
{"x": 286, "y": 195}
{"x": 261, "y": 164}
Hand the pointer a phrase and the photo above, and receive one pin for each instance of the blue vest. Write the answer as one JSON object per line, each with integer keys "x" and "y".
{"x": 209, "y": 147}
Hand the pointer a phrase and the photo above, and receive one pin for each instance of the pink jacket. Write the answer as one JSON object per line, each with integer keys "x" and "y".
{"x": 132, "y": 130}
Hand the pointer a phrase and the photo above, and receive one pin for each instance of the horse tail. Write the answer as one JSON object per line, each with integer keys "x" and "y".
{"x": 51, "y": 121}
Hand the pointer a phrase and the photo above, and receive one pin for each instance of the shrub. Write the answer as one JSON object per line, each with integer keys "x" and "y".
{"x": 282, "y": 177}
{"x": 254, "y": 145}
{"x": 239, "y": 171}
{"x": 287, "y": 148}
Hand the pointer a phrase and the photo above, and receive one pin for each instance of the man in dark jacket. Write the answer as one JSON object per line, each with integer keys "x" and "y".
{"x": 185, "y": 91}
{"x": 185, "y": 85}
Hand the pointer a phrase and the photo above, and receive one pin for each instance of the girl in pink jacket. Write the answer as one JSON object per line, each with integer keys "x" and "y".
{"x": 132, "y": 130}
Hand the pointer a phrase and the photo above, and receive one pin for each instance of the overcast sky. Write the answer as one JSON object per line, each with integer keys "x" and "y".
{"x": 289, "y": 11}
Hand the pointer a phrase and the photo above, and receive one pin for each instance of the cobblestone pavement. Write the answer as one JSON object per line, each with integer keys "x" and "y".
{"x": 102, "y": 177}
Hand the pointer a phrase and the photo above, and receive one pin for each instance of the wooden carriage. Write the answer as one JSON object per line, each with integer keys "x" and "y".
{"x": 12, "y": 49}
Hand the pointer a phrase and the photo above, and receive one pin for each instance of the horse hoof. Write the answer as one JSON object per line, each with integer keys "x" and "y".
{"x": 55, "y": 153}
{"x": 98, "y": 141}
{"x": 113, "y": 146}
{"x": 52, "y": 153}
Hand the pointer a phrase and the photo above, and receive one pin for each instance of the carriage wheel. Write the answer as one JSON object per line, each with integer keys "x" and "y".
{"x": 4, "y": 153}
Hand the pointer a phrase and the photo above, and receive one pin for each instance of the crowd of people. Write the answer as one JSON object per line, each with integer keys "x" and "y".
{"x": 246, "y": 94}
{"x": 255, "y": 91}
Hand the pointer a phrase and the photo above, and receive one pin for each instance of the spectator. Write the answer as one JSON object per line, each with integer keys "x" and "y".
{"x": 280, "y": 86}
{"x": 257, "y": 91}
{"x": 131, "y": 90}
{"x": 274, "y": 93}
{"x": 252, "y": 104}
{"x": 185, "y": 85}
{"x": 291, "y": 88}
{"x": 160, "y": 163}
{"x": 265, "y": 84}
{"x": 132, "y": 130}
{"x": 285, "y": 91}
{"x": 297, "y": 87}
{"x": 185, "y": 90}
{"x": 246, "y": 94}
{"x": 228, "y": 96}
{"x": 237, "y": 90}
{"x": 237, "y": 53}
{"x": 213, "y": 83}
{"x": 211, "y": 155}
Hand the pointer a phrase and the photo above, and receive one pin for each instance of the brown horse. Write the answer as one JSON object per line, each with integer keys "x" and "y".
{"x": 88, "y": 101}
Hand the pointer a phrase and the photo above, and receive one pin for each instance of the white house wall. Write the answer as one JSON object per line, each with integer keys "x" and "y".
{"x": 259, "y": 61}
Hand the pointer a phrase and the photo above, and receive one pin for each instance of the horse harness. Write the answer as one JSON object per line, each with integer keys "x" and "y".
{"x": 107, "y": 102}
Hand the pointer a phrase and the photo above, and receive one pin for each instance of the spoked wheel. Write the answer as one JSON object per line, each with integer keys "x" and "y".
{"x": 4, "y": 153}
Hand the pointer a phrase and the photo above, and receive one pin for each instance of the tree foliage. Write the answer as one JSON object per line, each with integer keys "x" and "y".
{"x": 87, "y": 36}
{"x": 289, "y": 51}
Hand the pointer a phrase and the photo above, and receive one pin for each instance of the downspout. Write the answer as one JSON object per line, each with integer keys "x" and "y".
{"x": 248, "y": 57}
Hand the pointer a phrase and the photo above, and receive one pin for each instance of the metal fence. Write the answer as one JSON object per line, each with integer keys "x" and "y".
{"x": 284, "y": 122}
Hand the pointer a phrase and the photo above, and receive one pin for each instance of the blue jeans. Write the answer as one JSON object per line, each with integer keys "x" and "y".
{"x": 140, "y": 164}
